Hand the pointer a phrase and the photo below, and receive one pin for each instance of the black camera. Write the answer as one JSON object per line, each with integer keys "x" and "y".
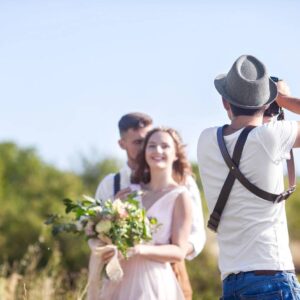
{"x": 274, "y": 109}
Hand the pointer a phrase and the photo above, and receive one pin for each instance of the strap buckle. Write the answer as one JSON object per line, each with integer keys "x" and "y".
{"x": 214, "y": 221}
{"x": 285, "y": 195}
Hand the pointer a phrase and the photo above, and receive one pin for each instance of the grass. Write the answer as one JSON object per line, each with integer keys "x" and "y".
{"x": 28, "y": 280}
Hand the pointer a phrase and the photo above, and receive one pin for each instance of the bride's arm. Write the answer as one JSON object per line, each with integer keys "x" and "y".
{"x": 181, "y": 227}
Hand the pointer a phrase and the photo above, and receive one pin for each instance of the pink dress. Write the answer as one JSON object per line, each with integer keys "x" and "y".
{"x": 146, "y": 279}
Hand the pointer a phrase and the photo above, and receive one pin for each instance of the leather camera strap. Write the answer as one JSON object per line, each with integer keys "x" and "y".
{"x": 235, "y": 173}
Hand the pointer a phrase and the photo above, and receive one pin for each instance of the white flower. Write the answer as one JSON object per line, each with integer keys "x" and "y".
{"x": 140, "y": 193}
{"x": 79, "y": 225}
{"x": 97, "y": 209}
{"x": 103, "y": 226}
{"x": 120, "y": 208}
{"x": 118, "y": 202}
{"x": 118, "y": 205}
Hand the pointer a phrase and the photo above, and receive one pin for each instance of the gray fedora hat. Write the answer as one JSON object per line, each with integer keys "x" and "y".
{"x": 247, "y": 84}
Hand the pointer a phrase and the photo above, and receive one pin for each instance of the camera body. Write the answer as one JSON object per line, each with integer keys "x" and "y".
{"x": 274, "y": 109}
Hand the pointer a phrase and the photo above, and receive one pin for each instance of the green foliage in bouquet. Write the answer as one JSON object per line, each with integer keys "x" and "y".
{"x": 121, "y": 223}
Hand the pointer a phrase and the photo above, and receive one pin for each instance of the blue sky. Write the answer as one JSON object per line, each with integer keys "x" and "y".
{"x": 70, "y": 69}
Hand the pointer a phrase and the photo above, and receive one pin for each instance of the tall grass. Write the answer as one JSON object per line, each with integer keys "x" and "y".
{"x": 27, "y": 280}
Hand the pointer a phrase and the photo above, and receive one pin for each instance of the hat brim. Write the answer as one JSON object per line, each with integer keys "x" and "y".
{"x": 220, "y": 86}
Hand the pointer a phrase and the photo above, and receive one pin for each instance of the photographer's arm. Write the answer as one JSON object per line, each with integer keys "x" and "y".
{"x": 290, "y": 103}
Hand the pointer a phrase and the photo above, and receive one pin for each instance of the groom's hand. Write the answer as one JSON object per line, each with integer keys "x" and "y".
{"x": 122, "y": 194}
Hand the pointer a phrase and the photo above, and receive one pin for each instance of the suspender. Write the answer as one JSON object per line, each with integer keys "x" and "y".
{"x": 215, "y": 217}
{"x": 117, "y": 183}
{"x": 235, "y": 173}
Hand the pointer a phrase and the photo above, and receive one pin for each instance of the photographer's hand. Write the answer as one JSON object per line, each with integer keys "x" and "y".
{"x": 283, "y": 88}
{"x": 285, "y": 100}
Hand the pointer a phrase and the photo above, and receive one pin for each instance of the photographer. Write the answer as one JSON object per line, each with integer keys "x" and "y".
{"x": 241, "y": 171}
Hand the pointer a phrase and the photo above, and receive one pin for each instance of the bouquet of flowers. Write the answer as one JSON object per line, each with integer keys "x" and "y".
{"x": 117, "y": 225}
{"x": 120, "y": 223}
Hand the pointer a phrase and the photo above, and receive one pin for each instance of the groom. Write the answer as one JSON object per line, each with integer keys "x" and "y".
{"x": 133, "y": 128}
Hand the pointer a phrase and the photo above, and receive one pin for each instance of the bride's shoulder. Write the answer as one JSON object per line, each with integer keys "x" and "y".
{"x": 183, "y": 194}
{"x": 183, "y": 203}
{"x": 182, "y": 189}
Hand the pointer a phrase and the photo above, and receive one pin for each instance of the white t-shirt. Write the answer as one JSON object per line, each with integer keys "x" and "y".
{"x": 197, "y": 236}
{"x": 252, "y": 234}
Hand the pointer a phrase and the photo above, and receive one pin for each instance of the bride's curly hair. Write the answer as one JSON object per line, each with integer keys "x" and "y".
{"x": 181, "y": 167}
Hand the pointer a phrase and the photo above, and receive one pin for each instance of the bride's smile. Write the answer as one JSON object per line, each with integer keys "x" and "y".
{"x": 160, "y": 151}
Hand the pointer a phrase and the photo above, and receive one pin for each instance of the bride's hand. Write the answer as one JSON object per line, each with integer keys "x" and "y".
{"x": 120, "y": 256}
{"x": 134, "y": 251}
{"x": 107, "y": 255}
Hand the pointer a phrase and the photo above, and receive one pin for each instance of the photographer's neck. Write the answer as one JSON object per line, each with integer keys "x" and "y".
{"x": 238, "y": 122}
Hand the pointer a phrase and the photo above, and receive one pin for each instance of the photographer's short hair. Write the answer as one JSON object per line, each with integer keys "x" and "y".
{"x": 134, "y": 121}
{"x": 239, "y": 111}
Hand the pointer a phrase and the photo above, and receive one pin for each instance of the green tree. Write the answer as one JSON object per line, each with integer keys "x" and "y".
{"x": 92, "y": 172}
{"x": 30, "y": 189}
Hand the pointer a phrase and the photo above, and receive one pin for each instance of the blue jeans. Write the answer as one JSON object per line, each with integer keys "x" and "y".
{"x": 249, "y": 286}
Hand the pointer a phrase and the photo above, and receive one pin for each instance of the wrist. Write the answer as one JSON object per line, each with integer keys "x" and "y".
{"x": 280, "y": 99}
{"x": 139, "y": 250}
{"x": 136, "y": 250}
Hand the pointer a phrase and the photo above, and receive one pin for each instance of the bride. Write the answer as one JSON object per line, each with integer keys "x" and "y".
{"x": 161, "y": 174}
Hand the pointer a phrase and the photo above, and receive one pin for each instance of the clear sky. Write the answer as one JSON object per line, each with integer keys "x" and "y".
{"x": 69, "y": 69}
